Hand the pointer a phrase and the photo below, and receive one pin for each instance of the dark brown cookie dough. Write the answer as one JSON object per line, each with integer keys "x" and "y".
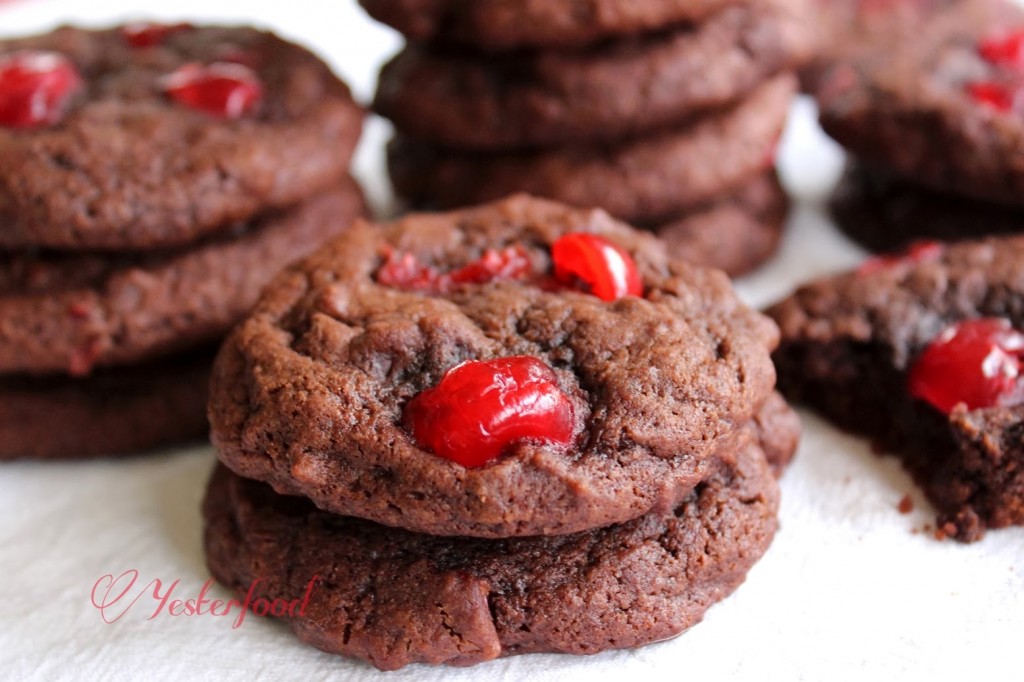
{"x": 500, "y": 25}
{"x": 394, "y": 598}
{"x": 655, "y": 177}
{"x": 737, "y": 234}
{"x": 848, "y": 344}
{"x": 909, "y": 109}
{"x": 605, "y": 94}
{"x": 308, "y": 392}
{"x": 127, "y": 168}
{"x": 114, "y": 412}
{"x": 62, "y": 312}
{"x": 885, "y": 213}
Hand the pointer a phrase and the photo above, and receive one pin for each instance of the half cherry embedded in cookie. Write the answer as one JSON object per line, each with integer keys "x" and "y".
{"x": 36, "y": 88}
{"x": 480, "y": 408}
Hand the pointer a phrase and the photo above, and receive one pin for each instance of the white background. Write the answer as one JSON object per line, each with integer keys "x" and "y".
{"x": 849, "y": 590}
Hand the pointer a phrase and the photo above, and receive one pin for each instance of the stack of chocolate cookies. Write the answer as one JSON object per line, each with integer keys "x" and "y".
{"x": 935, "y": 127}
{"x": 665, "y": 113}
{"x": 152, "y": 180}
{"x": 515, "y": 428}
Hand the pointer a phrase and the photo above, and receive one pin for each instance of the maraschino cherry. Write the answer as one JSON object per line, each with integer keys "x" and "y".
{"x": 480, "y": 408}
{"x": 35, "y": 88}
{"x": 1005, "y": 48}
{"x": 1002, "y": 97}
{"x": 976, "y": 363}
{"x": 405, "y": 271}
{"x": 595, "y": 265}
{"x": 143, "y": 34}
{"x": 221, "y": 89}
{"x": 919, "y": 252}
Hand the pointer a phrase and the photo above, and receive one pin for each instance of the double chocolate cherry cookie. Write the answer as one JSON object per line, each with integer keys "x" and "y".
{"x": 923, "y": 353}
{"x": 516, "y": 379}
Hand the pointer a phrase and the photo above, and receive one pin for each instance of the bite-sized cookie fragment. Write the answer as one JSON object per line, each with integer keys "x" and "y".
{"x": 114, "y": 412}
{"x": 393, "y": 598}
{"x": 655, "y": 177}
{"x": 946, "y": 108}
{"x": 311, "y": 393}
{"x": 920, "y": 354}
{"x": 605, "y": 94}
{"x": 737, "y": 234}
{"x": 71, "y": 312}
{"x": 501, "y": 25}
{"x": 886, "y": 213}
{"x": 164, "y": 143}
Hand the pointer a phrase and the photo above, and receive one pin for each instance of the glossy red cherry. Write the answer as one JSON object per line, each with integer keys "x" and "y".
{"x": 480, "y": 408}
{"x": 595, "y": 265}
{"x": 35, "y": 88}
{"x": 1004, "y": 48}
{"x": 405, "y": 271}
{"x": 976, "y": 363}
{"x": 919, "y": 252}
{"x": 144, "y": 34}
{"x": 219, "y": 89}
{"x": 999, "y": 96}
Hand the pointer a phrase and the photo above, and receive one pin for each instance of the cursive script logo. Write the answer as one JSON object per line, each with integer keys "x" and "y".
{"x": 116, "y": 596}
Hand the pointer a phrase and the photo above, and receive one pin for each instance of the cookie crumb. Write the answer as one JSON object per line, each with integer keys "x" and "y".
{"x": 906, "y": 504}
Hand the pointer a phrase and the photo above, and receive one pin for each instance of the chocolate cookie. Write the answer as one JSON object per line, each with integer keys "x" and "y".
{"x": 943, "y": 108}
{"x": 654, "y": 178}
{"x": 152, "y": 147}
{"x": 919, "y": 353}
{"x": 885, "y": 213}
{"x": 737, "y": 234}
{"x": 394, "y": 598}
{"x": 65, "y": 312}
{"x": 501, "y": 25}
{"x": 848, "y": 28}
{"x": 114, "y": 412}
{"x": 312, "y": 393}
{"x": 605, "y": 94}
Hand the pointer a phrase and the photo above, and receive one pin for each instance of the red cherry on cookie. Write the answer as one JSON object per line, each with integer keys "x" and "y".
{"x": 510, "y": 263}
{"x": 919, "y": 252}
{"x": 999, "y": 96}
{"x": 481, "y": 407}
{"x": 595, "y": 265}
{"x": 35, "y": 88}
{"x": 144, "y": 34}
{"x": 976, "y": 363}
{"x": 219, "y": 89}
{"x": 1004, "y": 48}
{"x": 405, "y": 271}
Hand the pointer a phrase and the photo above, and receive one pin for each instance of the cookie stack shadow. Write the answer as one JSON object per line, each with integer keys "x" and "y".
{"x": 622, "y": 534}
{"x": 137, "y": 229}
{"x": 665, "y": 114}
